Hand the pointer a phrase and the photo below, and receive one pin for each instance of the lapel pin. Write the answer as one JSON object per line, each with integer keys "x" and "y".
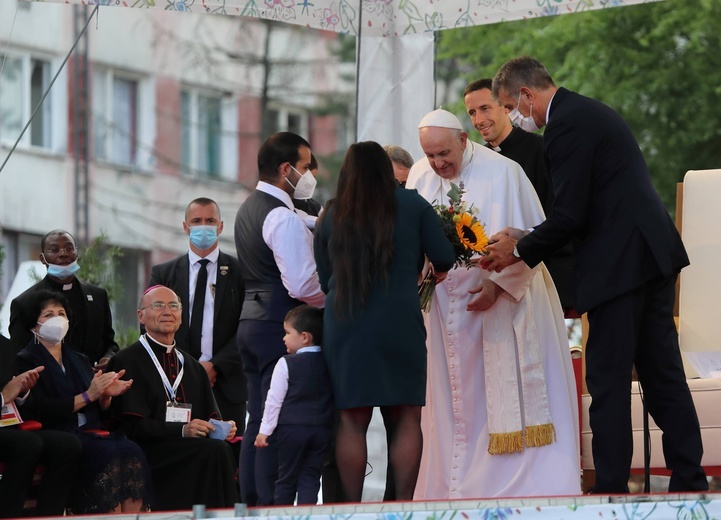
{"x": 90, "y": 297}
{"x": 223, "y": 270}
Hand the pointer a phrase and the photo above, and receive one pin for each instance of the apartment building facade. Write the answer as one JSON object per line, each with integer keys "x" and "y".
{"x": 173, "y": 109}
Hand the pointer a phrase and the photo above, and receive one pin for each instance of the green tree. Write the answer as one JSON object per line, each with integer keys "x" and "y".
{"x": 657, "y": 64}
{"x": 98, "y": 266}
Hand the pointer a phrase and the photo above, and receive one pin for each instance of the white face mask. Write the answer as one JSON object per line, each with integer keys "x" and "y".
{"x": 306, "y": 185}
{"x": 525, "y": 123}
{"x": 53, "y": 329}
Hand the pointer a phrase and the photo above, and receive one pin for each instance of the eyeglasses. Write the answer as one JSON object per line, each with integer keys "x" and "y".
{"x": 69, "y": 249}
{"x": 160, "y": 306}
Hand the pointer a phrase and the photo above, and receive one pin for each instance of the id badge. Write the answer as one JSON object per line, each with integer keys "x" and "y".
{"x": 10, "y": 415}
{"x": 177, "y": 412}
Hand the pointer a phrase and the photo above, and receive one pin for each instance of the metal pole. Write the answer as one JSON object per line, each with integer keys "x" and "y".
{"x": 81, "y": 148}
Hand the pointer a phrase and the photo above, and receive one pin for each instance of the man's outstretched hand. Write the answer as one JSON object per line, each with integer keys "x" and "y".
{"x": 500, "y": 250}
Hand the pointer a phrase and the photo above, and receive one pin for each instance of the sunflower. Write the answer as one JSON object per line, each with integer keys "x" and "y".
{"x": 471, "y": 233}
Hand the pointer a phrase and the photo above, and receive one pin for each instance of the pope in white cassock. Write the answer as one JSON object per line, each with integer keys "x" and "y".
{"x": 501, "y": 414}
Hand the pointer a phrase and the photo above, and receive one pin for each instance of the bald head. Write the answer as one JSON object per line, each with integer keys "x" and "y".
{"x": 160, "y": 312}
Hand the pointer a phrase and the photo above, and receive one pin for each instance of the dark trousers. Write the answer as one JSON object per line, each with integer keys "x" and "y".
{"x": 22, "y": 451}
{"x": 301, "y": 453}
{"x": 638, "y": 328}
{"x": 235, "y": 412}
{"x": 261, "y": 346}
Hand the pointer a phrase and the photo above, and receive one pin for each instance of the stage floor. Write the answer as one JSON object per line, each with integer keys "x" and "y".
{"x": 592, "y": 507}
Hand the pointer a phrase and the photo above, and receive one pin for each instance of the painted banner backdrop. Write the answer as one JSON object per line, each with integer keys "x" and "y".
{"x": 373, "y": 17}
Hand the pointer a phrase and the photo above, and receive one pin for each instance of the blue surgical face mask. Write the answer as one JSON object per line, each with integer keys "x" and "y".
{"x": 63, "y": 271}
{"x": 203, "y": 237}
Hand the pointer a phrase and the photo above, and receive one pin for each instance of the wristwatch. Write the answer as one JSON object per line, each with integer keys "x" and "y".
{"x": 515, "y": 252}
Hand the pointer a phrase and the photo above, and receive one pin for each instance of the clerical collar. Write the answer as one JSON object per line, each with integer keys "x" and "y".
{"x": 61, "y": 286}
{"x": 168, "y": 348}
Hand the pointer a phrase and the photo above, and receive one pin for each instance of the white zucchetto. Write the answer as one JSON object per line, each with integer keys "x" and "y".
{"x": 441, "y": 118}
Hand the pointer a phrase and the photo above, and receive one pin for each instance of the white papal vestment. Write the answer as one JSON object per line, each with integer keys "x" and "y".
{"x": 455, "y": 462}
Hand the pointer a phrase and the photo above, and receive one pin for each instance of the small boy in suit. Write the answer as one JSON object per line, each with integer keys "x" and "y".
{"x": 300, "y": 405}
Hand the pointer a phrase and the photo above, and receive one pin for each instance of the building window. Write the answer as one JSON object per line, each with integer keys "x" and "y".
{"x": 115, "y": 118}
{"x": 284, "y": 119}
{"x": 208, "y": 134}
{"x": 24, "y": 81}
{"x": 201, "y": 133}
{"x": 345, "y": 132}
{"x": 118, "y": 127}
{"x": 39, "y": 81}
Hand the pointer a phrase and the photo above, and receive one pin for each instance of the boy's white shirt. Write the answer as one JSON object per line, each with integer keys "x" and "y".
{"x": 278, "y": 390}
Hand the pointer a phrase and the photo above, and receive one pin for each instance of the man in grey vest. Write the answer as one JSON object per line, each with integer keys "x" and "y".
{"x": 275, "y": 250}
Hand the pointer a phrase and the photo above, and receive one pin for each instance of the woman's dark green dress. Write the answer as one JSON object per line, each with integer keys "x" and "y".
{"x": 377, "y": 357}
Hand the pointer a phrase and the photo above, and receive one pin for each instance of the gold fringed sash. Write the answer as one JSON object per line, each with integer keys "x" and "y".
{"x": 502, "y": 443}
{"x": 517, "y": 405}
{"x": 540, "y": 435}
{"x": 535, "y": 436}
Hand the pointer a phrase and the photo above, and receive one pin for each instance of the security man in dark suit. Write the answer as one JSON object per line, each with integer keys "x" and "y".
{"x": 211, "y": 290}
{"x": 91, "y": 328}
{"x": 628, "y": 258}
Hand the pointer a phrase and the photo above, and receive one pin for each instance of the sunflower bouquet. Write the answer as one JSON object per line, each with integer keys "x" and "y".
{"x": 463, "y": 230}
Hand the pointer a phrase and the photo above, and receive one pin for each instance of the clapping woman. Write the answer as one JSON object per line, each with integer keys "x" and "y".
{"x": 114, "y": 475}
{"x": 369, "y": 247}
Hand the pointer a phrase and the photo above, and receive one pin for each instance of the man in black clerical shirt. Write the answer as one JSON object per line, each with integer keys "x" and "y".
{"x": 526, "y": 148}
{"x": 188, "y": 467}
{"x": 91, "y": 329}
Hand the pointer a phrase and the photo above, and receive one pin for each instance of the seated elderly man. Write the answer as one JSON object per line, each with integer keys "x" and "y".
{"x": 168, "y": 409}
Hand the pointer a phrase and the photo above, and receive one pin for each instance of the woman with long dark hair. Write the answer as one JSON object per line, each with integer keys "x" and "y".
{"x": 370, "y": 246}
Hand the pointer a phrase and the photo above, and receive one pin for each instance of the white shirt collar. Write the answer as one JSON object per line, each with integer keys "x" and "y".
{"x": 310, "y": 348}
{"x": 212, "y": 256}
{"x": 275, "y": 192}
{"x": 548, "y": 110}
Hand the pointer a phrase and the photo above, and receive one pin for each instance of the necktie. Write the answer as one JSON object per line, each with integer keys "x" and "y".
{"x": 196, "y": 320}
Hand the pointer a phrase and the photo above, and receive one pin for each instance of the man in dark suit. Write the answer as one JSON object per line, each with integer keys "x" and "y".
{"x": 91, "y": 328}
{"x": 490, "y": 118}
{"x": 210, "y": 321}
{"x": 629, "y": 256}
